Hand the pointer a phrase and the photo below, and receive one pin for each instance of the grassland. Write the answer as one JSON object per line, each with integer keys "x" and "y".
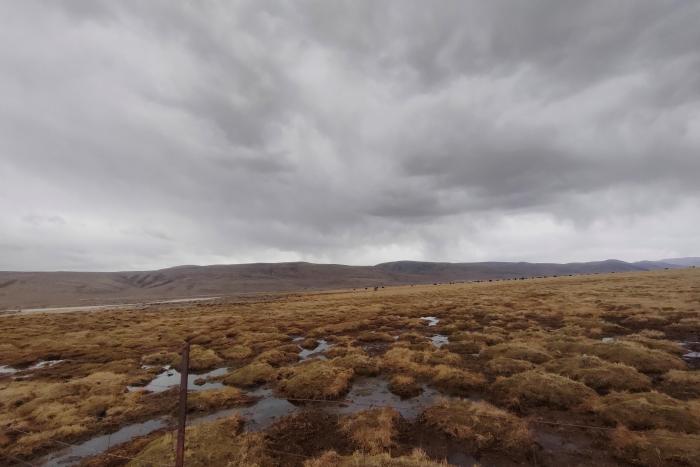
{"x": 527, "y": 366}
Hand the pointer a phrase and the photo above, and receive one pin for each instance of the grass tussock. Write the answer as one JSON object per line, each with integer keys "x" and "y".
{"x": 538, "y": 388}
{"x": 481, "y": 425}
{"x": 630, "y": 353}
{"x": 316, "y": 379}
{"x": 648, "y": 410}
{"x": 405, "y": 386}
{"x": 600, "y": 374}
{"x": 373, "y": 430}
{"x": 637, "y": 355}
{"x": 236, "y": 352}
{"x": 455, "y": 380}
{"x": 528, "y": 351}
{"x": 161, "y": 358}
{"x": 656, "y": 448}
{"x": 213, "y": 399}
{"x": 417, "y": 458}
{"x": 277, "y": 357}
{"x": 251, "y": 375}
{"x": 358, "y": 361}
{"x": 681, "y": 384}
{"x": 373, "y": 336}
{"x": 202, "y": 359}
{"x": 219, "y": 443}
{"x": 504, "y": 366}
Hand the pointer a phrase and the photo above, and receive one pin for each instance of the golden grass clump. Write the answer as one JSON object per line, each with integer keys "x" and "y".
{"x": 642, "y": 358}
{"x": 373, "y": 430}
{"x": 538, "y": 388}
{"x": 456, "y": 380}
{"x": 504, "y": 366}
{"x": 64, "y": 410}
{"x": 655, "y": 343}
{"x": 251, "y": 375}
{"x": 405, "y": 386}
{"x": 480, "y": 424}
{"x": 656, "y": 448}
{"x": 203, "y": 359}
{"x": 309, "y": 343}
{"x": 218, "y": 443}
{"x": 316, "y": 379}
{"x": 236, "y": 352}
{"x": 373, "y": 336}
{"x": 403, "y": 360}
{"x": 648, "y": 410}
{"x": 276, "y": 357}
{"x": 599, "y": 374}
{"x": 359, "y": 362}
{"x": 528, "y": 351}
{"x": 417, "y": 458}
{"x": 464, "y": 347}
{"x": 161, "y": 358}
{"x": 212, "y": 399}
{"x": 681, "y": 384}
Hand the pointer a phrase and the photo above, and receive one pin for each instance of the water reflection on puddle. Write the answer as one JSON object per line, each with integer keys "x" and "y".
{"x": 692, "y": 357}
{"x": 170, "y": 378}
{"x": 316, "y": 352}
{"x": 432, "y": 320}
{"x": 259, "y": 415}
{"x": 99, "y": 444}
{"x": 439, "y": 340}
{"x": 7, "y": 370}
{"x": 367, "y": 393}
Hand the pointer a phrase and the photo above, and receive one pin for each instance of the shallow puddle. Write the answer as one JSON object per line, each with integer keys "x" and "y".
{"x": 100, "y": 444}
{"x": 316, "y": 352}
{"x": 7, "y": 370}
{"x": 169, "y": 378}
{"x": 367, "y": 393}
{"x": 432, "y": 320}
{"x": 44, "y": 364}
{"x": 259, "y": 415}
{"x": 692, "y": 358}
{"x": 438, "y": 340}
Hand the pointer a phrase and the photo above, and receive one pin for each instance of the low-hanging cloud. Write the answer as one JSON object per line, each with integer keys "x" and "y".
{"x": 148, "y": 134}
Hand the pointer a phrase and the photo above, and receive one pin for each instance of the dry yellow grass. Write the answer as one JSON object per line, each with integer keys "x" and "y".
{"x": 647, "y": 410}
{"x": 481, "y": 425}
{"x": 405, "y": 386}
{"x": 681, "y": 384}
{"x": 214, "y": 399}
{"x": 373, "y": 430}
{"x": 316, "y": 379}
{"x": 656, "y": 448}
{"x": 218, "y": 443}
{"x": 333, "y": 459}
{"x": 599, "y": 374}
{"x": 529, "y": 351}
{"x": 538, "y": 388}
{"x": 251, "y": 375}
{"x": 504, "y": 366}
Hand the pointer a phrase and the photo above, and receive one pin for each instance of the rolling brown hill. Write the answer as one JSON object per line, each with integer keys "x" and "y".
{"x": 43, "y": 289}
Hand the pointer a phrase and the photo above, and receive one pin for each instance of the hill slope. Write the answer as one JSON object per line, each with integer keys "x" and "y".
{"x": 36, "y": 289}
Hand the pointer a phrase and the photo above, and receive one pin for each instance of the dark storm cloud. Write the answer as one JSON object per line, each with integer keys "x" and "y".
{"x": 147, "y": 134}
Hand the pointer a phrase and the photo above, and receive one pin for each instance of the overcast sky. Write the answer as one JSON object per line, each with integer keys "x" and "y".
{"x": 146, "y": 134}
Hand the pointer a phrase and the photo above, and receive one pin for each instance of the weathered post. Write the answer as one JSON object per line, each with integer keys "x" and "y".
{"x": 184, "y": 368}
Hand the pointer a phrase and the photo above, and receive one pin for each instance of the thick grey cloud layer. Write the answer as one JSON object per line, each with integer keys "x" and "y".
{"x": 148, "y": 134}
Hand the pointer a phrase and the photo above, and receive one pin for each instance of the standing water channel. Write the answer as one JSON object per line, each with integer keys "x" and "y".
{"x": 366, "y": 393}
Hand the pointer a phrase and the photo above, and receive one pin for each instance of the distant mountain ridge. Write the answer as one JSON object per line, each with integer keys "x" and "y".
{"x": 38, "y": 289}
